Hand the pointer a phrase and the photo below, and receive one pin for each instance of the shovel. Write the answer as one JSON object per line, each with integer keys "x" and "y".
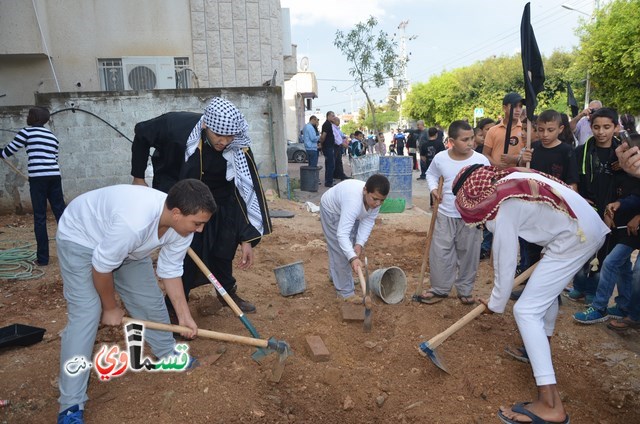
{"x": 267, "y": 346}
{"x": 366, "y": 299}
{"x": 425, "y": 258}
{"x": 213, "y": 280}
{"x": 428, "y": 348}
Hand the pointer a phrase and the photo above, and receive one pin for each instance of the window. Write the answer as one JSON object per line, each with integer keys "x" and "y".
{"x": 110, "y": 71}
{"x": 183, "y": 72}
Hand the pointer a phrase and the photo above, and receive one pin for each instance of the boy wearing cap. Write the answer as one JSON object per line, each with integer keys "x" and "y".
{"x": 517, "y": 202}
{"x": 218, "y": 153}
{"x": 495, "y": 138}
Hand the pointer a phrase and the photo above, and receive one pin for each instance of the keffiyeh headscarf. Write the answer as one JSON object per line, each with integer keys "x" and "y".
{"x": 484, "y": 189}
{"x": 223, "y": 118}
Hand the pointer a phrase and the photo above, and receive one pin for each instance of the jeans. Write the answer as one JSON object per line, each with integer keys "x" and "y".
{"x": 312, "y": 156}
{"x": 634, "y": 307}
{"x": 616, "y": 270}
{"x": 41, "y": 190}
{"x": 487, "y": 240}
{"x": 329, "y": 165}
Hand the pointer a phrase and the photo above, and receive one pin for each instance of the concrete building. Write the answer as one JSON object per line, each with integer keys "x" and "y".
{"x": 96, "y": 54}
{"x": 117, "y": 45}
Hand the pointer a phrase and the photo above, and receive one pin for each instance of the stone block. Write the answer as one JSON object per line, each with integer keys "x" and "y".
{"x": 351, "y": 312}
{"x": 317, "y": 349}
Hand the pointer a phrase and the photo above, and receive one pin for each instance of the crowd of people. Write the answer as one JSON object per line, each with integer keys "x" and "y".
{"x": 557, "y": 192}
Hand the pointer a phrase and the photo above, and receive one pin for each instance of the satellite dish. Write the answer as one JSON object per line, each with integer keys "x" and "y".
{"x": 304, "y": 64}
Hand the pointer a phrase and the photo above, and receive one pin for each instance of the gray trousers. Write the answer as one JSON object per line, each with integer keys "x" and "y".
{"x": 454, "y": 256}
{"x": 137, "y": 286}
{"x": 339, "y": 266}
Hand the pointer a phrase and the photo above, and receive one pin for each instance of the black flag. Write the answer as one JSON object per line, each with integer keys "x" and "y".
{"x": 571, "y": 101}
{"x": 531, "y": 63}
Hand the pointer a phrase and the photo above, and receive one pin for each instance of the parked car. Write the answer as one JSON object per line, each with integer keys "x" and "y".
{"x": 296, "y": 152}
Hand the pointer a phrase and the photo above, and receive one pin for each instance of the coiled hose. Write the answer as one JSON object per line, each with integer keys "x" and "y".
{"x": 17, "y": 262}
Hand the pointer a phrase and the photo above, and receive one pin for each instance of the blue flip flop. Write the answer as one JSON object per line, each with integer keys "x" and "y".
{"x": 519, "y": 408}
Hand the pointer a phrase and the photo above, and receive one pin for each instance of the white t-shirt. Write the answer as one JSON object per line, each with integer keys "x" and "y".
{"x": 121, "y": 222}
{"x": 442, "y": 164}
{"x": 346, "y": 201}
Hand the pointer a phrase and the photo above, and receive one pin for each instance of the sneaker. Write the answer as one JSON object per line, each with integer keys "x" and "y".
{"x": 615, "y": 312}
{"x": 72, "y": 415}
{"x": 421, "y": 178}
{"x": 575, "y": 295}
{"x": 590, "y": 316}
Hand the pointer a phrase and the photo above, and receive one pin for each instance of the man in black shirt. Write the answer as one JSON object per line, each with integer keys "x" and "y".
{"x": 328, "y": 143}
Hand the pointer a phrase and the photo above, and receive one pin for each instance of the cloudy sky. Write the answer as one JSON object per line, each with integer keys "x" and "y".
{"x": 448, "y": 34}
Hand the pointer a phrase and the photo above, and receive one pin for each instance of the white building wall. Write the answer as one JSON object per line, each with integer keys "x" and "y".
{"x": 230, "y": 43}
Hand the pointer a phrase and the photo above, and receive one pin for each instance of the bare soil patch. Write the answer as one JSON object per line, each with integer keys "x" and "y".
{"x": 375, "y": 377}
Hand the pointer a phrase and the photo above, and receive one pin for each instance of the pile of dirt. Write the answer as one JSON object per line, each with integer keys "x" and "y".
{"x": 370, "y": 377}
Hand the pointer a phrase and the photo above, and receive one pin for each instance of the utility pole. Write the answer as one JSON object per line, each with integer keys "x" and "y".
{"x": 402, "y": 79}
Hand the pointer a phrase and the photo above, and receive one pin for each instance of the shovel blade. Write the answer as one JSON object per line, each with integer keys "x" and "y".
{"x": 425, "y": 350}
{"x": 366, "y": 327}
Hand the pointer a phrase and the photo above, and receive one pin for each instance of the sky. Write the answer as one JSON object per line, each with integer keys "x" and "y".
{"x": 447, "y": 34}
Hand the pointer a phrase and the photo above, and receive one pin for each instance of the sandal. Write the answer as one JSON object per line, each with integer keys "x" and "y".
{"x": 467, "y": 300}
{"x": 430, "y": 298}
{"x": 519, "y": 353}
{"x": 623, "y": 324}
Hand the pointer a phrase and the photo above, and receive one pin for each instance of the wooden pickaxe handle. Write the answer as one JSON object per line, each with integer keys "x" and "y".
{"x": 440, "y": 338}
{"x": 16, "y": 170}
{"x": 207, "y": 334}
{"x": 213, "y": 280}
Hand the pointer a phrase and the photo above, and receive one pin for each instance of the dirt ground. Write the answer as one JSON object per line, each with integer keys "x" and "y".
{"x": 370, "y": 377}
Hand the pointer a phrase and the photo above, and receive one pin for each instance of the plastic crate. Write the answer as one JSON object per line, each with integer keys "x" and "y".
{"x": 392, "y": 205}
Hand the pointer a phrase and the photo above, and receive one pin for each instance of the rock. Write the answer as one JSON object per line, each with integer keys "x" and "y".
{"x": 348, "y": 404}
{"x": 370, "y": 344}
{"x": 460, "y": 398}
{"x": 617, "y": 399}
{"x": 379, "y": 349}
{"x": 259, "y": 413}
{"x": 380, "y": 399}
{"x": 415, "y": 371}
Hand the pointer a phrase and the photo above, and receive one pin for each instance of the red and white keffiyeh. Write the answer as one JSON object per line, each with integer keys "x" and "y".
{"x": 485, "y": 188}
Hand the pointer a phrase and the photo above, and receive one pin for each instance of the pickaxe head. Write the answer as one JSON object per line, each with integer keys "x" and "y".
{"x": 425, "y": 350}
{"x": 282, "y": 349}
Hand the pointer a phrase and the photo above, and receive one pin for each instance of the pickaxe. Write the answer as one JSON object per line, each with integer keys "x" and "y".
{"x": 428, "y": 348}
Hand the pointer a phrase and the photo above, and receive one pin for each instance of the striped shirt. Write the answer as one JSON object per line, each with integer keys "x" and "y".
{"x": 42, "y": 151}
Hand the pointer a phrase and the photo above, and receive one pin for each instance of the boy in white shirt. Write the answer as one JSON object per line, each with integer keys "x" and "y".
{"x": 455, "y": 247}
{"x": 348, "y": 212}
{"x": 105, "y": 239}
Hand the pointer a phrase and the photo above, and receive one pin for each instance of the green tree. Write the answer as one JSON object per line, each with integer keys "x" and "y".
{"x": 610, "y": 52}
{"x": 454, "y": 94}
{"x": 371, "y": 57}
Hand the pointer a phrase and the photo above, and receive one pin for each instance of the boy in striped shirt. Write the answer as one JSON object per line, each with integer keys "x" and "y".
{"x": 45, "y": 182}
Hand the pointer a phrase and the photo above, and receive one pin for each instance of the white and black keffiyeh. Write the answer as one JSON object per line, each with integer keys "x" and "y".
{"x": 223, "y": 118}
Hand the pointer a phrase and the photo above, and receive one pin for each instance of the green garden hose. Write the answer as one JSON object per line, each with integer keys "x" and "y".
{"x": 17, "y": 262}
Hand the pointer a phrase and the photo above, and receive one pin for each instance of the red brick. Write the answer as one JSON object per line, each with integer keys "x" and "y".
{"x": 317, "y": 349}
{"x": 351, "y": 312}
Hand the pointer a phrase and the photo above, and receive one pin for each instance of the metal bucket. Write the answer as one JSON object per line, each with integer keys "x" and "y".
{"x": 290, "y": 278}
{"x": 390, "y": 284}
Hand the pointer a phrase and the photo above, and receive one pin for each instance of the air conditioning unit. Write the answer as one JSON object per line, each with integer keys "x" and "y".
{"x": 149, "y": 72}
